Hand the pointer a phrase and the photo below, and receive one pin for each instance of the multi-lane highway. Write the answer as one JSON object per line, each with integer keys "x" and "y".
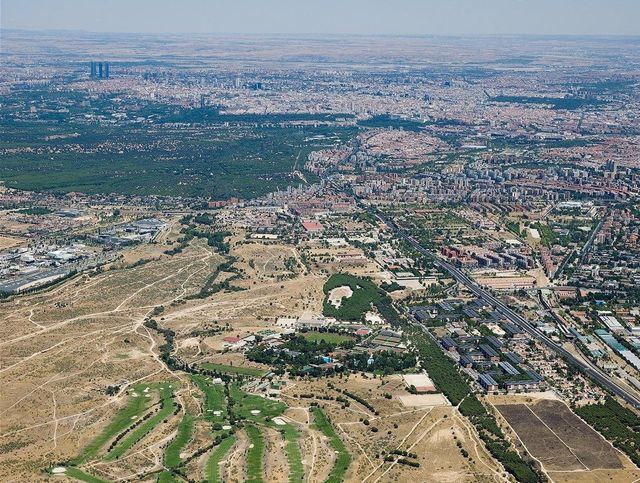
{"x": 596, "y": 230}
{"x": 586, "y": 367}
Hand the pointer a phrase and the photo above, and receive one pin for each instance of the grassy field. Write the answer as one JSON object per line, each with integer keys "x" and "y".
{"x": 214, "y": 399}
{"x": 245, "y": 403}
{"x": 185, "y": 430}
{"x": 344, "y": 458}
{"x": 82, "y": 476}
{"x": 213, "y": 468}
{"x": 167, "y": 407}
{"x": 327, "y": 337}
{"x": 166, "y": 477}
{"x": 245, "y": 371}
{"x": 294, "y": 457}
{"x": 254, "y": 455}
{"x": 135, "y": 406}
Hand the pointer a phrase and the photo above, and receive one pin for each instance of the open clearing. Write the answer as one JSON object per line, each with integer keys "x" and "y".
{"x": 9, "y": 242}
{"x": 423, "y": 400}
{"x": 427, "y": 431}
{"x": 539, "y": 439}
{"x": 244, "y": 370}
{"x": 565, "y": 445}
{"x": 327, "y": 337}
{"x": 337, "y": 294}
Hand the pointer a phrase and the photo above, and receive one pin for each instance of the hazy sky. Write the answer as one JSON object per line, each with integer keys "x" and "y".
{"x": 619, "y": 17}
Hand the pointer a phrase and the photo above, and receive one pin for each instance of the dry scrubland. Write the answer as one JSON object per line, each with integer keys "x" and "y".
{"x": 61, "y": 348}
{"x": 433, "y": 433}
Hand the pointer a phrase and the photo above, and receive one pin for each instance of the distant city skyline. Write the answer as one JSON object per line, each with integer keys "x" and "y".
{"x": 398, "y": 17}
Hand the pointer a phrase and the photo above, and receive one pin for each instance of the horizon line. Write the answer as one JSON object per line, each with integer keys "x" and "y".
{"x": 331, "y": 34}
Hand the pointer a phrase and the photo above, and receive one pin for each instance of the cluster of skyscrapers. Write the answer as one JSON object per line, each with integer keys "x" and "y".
{"x": 99, "y": 70}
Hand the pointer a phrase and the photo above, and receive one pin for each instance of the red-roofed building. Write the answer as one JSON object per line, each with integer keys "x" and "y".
{"x": 312, "y": 226}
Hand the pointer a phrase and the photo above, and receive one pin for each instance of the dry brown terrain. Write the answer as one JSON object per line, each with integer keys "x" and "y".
{"x": 431, "y": 432}
{"x": 9, "y": 242}
{"x": 566, "y": 447}
{"x": 63, "y": 347}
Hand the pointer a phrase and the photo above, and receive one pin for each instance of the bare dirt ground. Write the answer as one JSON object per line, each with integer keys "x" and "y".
{"x": 61, "y": 348}
{"x": 318, "y": 456}
{"x": 337, "y": 294}
{"x": 9, "y": 242}
{"x": 430, "y": 432}
{"x": 233, "y": 466}
{"x": 275, "y": 464}
{"x": 268, "y": 261}
{"x": 566, "y": 447}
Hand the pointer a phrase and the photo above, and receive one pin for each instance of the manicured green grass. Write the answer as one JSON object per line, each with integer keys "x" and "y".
{"x": 82, "y": 476}
{"x": 244, "y": 403}
{"x": 245, "y": 371}
{"x": 166, "y": 477}
{"x": 294, "y": 457}
{"x": 344, "y": 458}
{"x": 214, "y": 399}
{"x": 185, "y": 429}
{"x": 213, "y": 465}
{"x": 135, "y": 406}
{"x": 254, "y": 455}
{"x": 167, "y": 407}
{"x": 327, "y": 337}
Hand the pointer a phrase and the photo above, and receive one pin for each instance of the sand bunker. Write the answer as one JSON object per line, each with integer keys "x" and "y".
{"x": 279, "y": 421}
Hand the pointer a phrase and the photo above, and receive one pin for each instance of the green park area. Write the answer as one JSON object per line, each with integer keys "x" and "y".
{"x": 254, "y": 455}
{"x": 365, "y": 293}
{"x": 330, "y": 337}
{"x": 125, "y": 418}
{"x": 344, "y": 458}
{"x": 213, "y": 463}
{"x": 185, "y": 430}
{"x": 167, "y": 406}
